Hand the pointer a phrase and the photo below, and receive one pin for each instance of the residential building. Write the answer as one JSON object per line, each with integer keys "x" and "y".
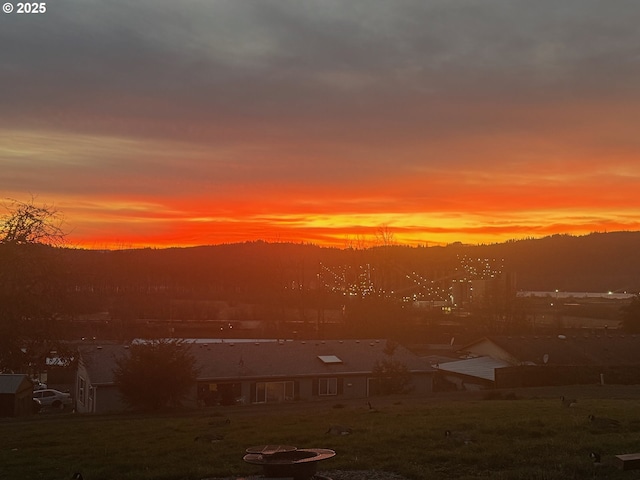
{"x": 544, "y": 360}
{"x": 262, "y": 372}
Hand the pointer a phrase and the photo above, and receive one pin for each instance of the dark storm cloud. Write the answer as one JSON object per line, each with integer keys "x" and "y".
{"x": 259, "y": 58}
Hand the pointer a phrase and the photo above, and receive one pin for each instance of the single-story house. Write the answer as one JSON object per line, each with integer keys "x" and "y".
{"x": 542, "y": 360}
{"x": 262, "y": 372}
{"x": 16, "y": 395}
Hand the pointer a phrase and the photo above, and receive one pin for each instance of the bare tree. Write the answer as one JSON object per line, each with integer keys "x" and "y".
{"x": 32, "y": 293}
{"x": 357, "y": 242}
{"x": 384, "y": 236}
{"x": 27, "y": 223}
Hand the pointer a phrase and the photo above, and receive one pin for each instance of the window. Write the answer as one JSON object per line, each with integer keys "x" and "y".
{"x": 269, "y": 392}
{"x": 328, "y": 386}
{"x": 81, "y": 389}
{"x": 219, "y": 393}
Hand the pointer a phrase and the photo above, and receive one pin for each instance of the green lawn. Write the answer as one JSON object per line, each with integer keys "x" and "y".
{"x": 526, "y": 437}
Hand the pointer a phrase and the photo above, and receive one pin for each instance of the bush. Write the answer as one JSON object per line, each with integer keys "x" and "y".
{"x": 156, "y": 374}
{"x": 390, "y": 377}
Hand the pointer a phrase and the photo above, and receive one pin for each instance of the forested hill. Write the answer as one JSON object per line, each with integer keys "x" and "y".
{"x": 596, "y": 262}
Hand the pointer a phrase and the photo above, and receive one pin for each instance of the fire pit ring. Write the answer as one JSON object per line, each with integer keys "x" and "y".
{"x": 286, "y": 461}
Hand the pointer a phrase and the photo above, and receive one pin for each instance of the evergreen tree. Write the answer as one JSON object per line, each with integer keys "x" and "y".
{"x": 156, "y": 374}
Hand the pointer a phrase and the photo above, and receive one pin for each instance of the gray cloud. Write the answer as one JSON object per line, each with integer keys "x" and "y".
{"x": 263, "y": 57}
{"x": 326, "y": 76}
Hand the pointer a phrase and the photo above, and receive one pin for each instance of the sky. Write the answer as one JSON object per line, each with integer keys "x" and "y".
{"x": 155, "y": 123}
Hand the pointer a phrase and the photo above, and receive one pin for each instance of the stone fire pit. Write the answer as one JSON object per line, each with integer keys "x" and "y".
{"x": 286, "y": 461}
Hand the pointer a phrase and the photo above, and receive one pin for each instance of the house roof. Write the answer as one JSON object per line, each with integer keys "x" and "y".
{"x": 480, "y": 367}
{"x": 13, "y": 383}
{"x": 229, "y": 360}
{"x": 298, "y": 358}
{"x": 586, "y": 349}
{"x": 100, "y": 361}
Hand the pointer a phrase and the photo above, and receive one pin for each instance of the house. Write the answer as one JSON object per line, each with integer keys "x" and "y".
{"x": 262, "y": 372}
{"x": 280, "y": 371}
{"x": 16, "y": 395}
{"x": 94, "y": 387}
{"x": 544, "y": 360}
{"x": 471, "y": 374}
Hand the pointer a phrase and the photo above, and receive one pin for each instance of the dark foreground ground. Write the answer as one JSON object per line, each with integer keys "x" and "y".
{"x": 573, "y": 391}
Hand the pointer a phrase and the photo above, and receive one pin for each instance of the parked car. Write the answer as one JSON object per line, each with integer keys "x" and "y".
{"x": 52, "y": 398}
{"x": 37, "y": 405}
{"x": 38, "y": 385}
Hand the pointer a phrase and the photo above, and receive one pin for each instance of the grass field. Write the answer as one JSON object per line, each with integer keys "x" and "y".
{"x": 520, "y": 434}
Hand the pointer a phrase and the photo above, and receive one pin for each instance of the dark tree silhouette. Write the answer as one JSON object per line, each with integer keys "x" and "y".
{"x": 27, "y": 223}
{"x": 31, "y": 290}
{"x": 391, "y": 377}
{"x": 156, "y": 374}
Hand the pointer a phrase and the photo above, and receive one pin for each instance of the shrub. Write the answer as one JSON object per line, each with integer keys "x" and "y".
{"x": 155, "y": 374}
{"x": 391, "y": 377}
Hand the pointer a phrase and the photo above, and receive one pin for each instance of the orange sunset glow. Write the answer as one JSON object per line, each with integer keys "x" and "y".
{"x": 157, "y": 124}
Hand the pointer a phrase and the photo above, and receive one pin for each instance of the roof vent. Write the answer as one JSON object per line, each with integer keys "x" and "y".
{"x": 329, "y": 359}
